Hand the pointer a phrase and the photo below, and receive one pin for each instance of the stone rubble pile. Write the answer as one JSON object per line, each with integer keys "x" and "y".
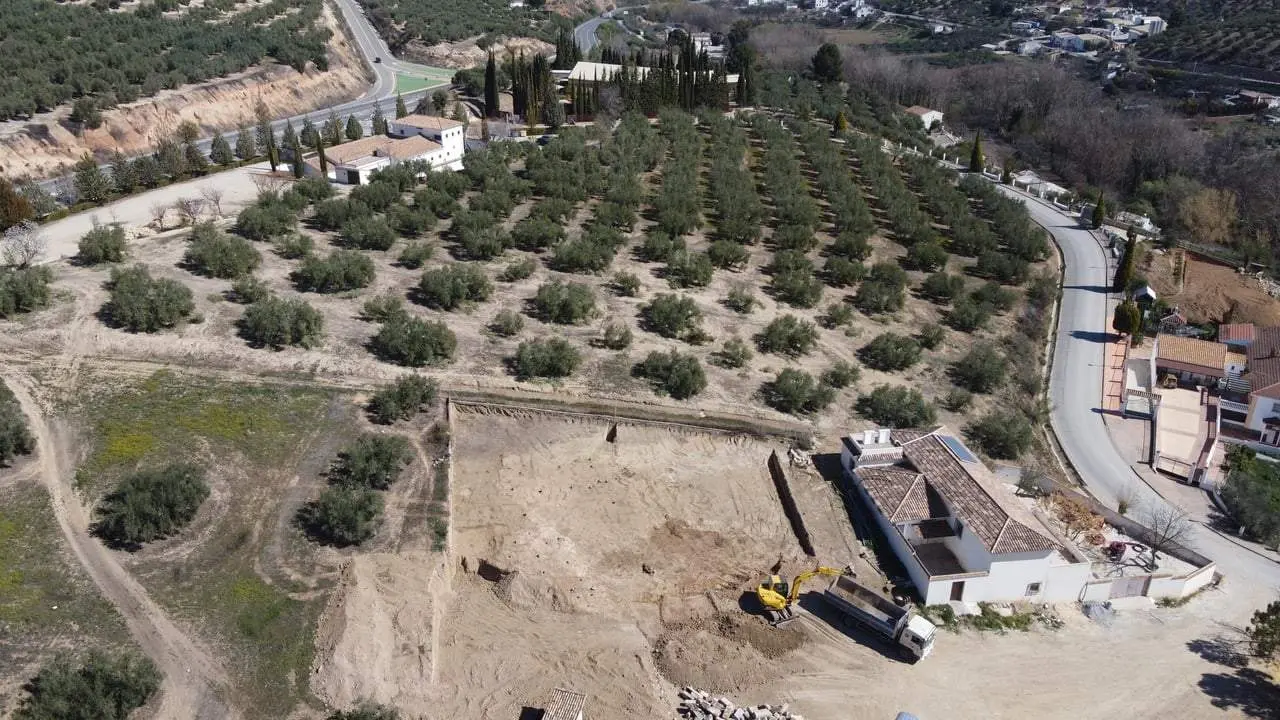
{"x": 699, "y": 705}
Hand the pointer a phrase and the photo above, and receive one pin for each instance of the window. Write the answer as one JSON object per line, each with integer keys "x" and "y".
{"x": 1275, "y": 407}
{"x": 1033, "y": 589}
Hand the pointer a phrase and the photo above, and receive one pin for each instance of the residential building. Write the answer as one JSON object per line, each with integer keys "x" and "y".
{"x": 928, "y": 118}
{"x": 449, "y": 134}
{"x": 1251, "y": 398}
{"x": 1068, "y": 41}
{"x": 1259, "y": 100}
{"x": 1142, "y": 223}
{"x": 1092, "y": 41}
{"x": 354, "y": 162}
{"x": 1030, "y": 47}
{"x": 1236, "y": 336}
{"x": 1193, "y": 361}
{"x": 958, "y": 531}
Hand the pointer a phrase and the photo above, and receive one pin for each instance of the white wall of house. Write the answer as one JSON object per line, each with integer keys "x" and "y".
{"x": 453, "y": 140}
{"x": 1065, "y": 583}
{"x": 918, "y": 576}
{"x": 1261, "y": 408}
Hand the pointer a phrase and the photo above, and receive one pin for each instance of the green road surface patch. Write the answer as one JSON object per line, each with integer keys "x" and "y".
{"x": 407, "y": 83}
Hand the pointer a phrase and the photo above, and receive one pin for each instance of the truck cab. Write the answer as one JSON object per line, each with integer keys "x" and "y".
{"x": 917, "y": 637}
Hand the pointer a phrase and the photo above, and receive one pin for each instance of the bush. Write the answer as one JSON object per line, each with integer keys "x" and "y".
{"x": 536, "y": 233}
{"x": 314, "y": 189}
{"x": 981, "y": 370}
{"x": 967, "y": 316}
{"x": 851, "y": 246}
{"x": 377, "y": 712}
{"x": 926, "y": 256}
{"x": 797, "y": 287}
{"x": 381, "y": 308}
{"x": 341, "y": 271}
{"x": 841, "y": 375}
{"x": 105, "y": 687}
{"x": 215, "y": 254}
{"x": 151, "y": 504}
{"x": 838, "y": 314}
{"x": 279, "y": 322}
{"x": 741, "y": 299}
{"x": 564, "y": 303}
{"x": 728, "y": 255}
{"x": 23, "y": 290}
{"x": 957, "y": 400}
{"x": 931, "y": 335}
{"x": 733, "y": 354}
{"x": 659, "y": 246}
{"x": 686, "y": 270}
{"x": 333, "y": 214}
{"x": 413, "y": 342}
{"x": 450, "y": 286}
{"x": 294, "y": 246}
{"x": 374, "y": 462}
{"x": 787, "y": 335}
{"x": 1003, "y": 268}
{"x": 263, "y": 222}
{"x": 367, "y": 233}
{"x": 617, "y": 336}
{"x": 1002, "y": 434}
{"x": 896, "y": 406}
{"x": 15, "y": 438}
{"x": 507, "y": 323}
{"x": 882, "y": 291}
{"x": 794, "y": 237}
{"x": 626, "y": 284}
{"x": 402, "y": 399}
{"x": 942, "y": 287}
{"x": 410, "y": 221}
{"x": 672, "y": 316}
{"x": 842, "y": 272}
{"x": 377, "y": 196}
{"x": 552, "y": 358}
{"x": 343, "y": 515}
{"x": 796, "y": 392}
{"x": 997, "y": 298}
{"x": 671, "y": 373}
{"x": 890, "y": 352}
{"x": 102, "y": 244}
{"x": 140, "y": 303}
{"x": 518, "y": 270}
{"x": 582, "y": 255}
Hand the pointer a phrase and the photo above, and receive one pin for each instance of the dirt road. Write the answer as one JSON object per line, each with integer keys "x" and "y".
{"x": 192, "y": 680}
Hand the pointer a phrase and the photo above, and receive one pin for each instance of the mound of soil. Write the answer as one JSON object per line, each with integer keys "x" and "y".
{"x": 725, "y": 653}
{"x": 523, "y": 592}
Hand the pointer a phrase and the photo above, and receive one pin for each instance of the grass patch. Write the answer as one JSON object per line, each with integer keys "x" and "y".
{"x": 406, "y": 84}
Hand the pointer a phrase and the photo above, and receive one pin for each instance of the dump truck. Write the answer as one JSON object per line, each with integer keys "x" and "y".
{"x": 912, "y": 633}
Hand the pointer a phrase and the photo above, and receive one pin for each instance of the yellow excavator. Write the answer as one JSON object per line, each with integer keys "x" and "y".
{"x": 777, "y": 596}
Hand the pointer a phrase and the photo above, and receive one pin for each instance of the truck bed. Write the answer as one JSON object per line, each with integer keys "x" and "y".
{"x": 851, "y": 597}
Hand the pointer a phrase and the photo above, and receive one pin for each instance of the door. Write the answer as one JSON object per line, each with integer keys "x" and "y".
{"x": 957, "y": 590}
{"x": 1130, "y": 586}
{"x": 353, "y": 177}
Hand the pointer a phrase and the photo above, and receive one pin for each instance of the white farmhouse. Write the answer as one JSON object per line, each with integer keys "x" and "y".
{"x": 957, "y": 530}
{"x": 927, "y": 117}
{"x": 353, "y": 163}
{"x": 449, "y": 134}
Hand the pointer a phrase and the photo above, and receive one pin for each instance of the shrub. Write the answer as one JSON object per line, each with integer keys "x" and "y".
{"x": 838, "y": 314}
{"x": 377, "y": 196}
{"x": 341, "y": 271}
{"x": 841, "y": 375}
{"x": 334, "y": 213}
{"x": 450, "y": 286}
{"x": 23, "y": 290}
{"x": 413, "y": 342}
{"x": 415, "y": 255}
{"x": 685, "y": 270}
{"x": 896, "y": 406}
{"x": 659, "y": 246}
{"x": 249, "y": 289}
{"x": 672, "y": 316}
{"x": 942, "y": 287}
{"x": 294, "y": 246}
{"x": 552, "y": 358}
{"x": 672, "y": 373}
{"x": 733, "y": 354}
{"x": 794, "y": 237}
{"x": 518, "y": 270}
{"x": 787, "y": 335}
{"x": 851, "y": 246}
{"x": 368, "y": 711}
{"x": 967, "y": 316}
{"x": 410, "y": 221}
{"x": 728, "y": 255}
{"x": 107, "y": 687}
{"x": 997, "y": 298}
{"x": 740, "y": 299}
{"x": 582, "y": 255}
{"x": 367, "y": 233}
{"x": 1002, "y": 434}
{"x": 537, "y": 233}
{"x": 140, "y": 303}
{"x": 890, "y": 351}
{"x": 402, "y": 399}
{"x": 343, "y": 515}
{"x": 374, "y": 462}
{"x": 279, "y": 322}
{"x": 564, "y": 303}
{"x": 102, "y": 244}
{"x": 931, "y": 335}
{"x": 926, "y": 256}
{"x": 981, "y": 370}
{"x": 381, "y": 308}
{"x": 626, "y": 284}
{"x": 15, "y": 438}
{"x": 842, "y": 272}
{"x": 263, "y": 222}
{"x": 215, "y": 254}
{"x": 883, "y": 289}
{"x": 617, "y": 336}
{"x": 1003, "y": 268}
{"x": 314, "y": 189}
{"x": 797, "y": 287}
{"x": 957, "y": 399}
{"x": 796, "y": 392}
{"x": 151, "y": 504}
{"x": 507, "y": 323}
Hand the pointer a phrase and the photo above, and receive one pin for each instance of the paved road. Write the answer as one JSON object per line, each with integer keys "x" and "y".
{"x": 1075, "y": 391}
{"x": 585, "y": 34}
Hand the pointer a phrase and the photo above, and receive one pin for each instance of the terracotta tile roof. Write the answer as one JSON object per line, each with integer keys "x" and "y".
{"x": 1236, "y": 333}
{"x": 1263, "y": 373}
{"x": 380, "y": 146}
{"x": 412, "y": 147}
{"x": 1191, "y": 351}
{"x": 1235, "y": 358}
{"x": 428, "y": 122}
{"x": 888, "y": 488}
{"x": 918, "y": 110}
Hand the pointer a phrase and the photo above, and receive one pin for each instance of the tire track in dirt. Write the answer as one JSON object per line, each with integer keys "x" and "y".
{"x": 193, "y": 682}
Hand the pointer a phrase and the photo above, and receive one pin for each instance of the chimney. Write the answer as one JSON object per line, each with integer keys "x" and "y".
{"x": 884, "y": 436}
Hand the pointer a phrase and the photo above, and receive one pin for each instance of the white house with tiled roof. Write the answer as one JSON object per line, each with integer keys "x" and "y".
{"x": 958, "y": 531}
{"x": 448, "y": 133}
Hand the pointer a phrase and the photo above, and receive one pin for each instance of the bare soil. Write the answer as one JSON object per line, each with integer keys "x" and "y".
{"x": 1209, "y": 292}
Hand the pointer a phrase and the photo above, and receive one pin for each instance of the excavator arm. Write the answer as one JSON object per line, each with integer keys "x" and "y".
{"x": 799, "y": 580}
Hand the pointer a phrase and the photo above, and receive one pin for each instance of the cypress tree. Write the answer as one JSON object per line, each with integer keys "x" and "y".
{"x": 296, "y": 162}
{"x": 220, "y": 151}
{"x": 401, "y": 110}
{"x": 333, "y": 129}
{"x": 379, "y": 121}
{"x": 246, "y": 148}
{"x": 1099, "y": 211}
{"x": 491, "y": 87}
{"x": 1124, "y": 271}
{"x": 289, "y": 137}
{"x": 324, "y": 163}
{"x": 1127, "y": 319}
{"x": 354, "y": 131}
{"x": 976, "y": 161}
